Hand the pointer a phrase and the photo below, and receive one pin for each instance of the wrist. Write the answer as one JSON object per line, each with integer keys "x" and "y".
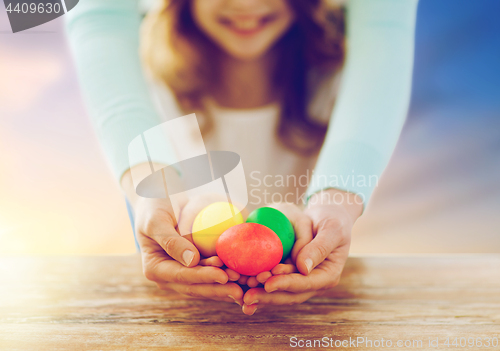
{"x": 350, "y": 202}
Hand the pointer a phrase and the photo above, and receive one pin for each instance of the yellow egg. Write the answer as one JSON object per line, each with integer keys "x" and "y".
{"x": 211, "y": 222}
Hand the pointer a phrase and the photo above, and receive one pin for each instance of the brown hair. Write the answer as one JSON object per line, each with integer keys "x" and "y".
{"x": 175, "y": 50}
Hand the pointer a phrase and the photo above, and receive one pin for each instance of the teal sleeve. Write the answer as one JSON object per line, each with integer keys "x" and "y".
{"x": 373, "y": 99}
{"x": 104, "y": 38}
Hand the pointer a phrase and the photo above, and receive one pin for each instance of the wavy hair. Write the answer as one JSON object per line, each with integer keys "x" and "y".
{"x": 175, "y": 51}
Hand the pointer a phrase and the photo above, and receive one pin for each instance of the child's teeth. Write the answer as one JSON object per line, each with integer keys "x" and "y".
{"x": 247, "y": 24}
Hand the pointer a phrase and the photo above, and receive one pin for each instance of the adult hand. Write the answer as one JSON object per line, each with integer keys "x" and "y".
{"x": 188, "y": 214}
{"x": 323, "y": 237}
{"x": 171, "y": 260}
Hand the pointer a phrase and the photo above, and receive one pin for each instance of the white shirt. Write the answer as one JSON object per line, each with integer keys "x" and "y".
{"x": 273, "y": 172}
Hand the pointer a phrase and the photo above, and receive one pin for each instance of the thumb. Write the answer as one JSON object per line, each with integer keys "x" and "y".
{"x": 330, "y": 230}
{"x": 315, "y": 252}
{"x": 176, "y": 246}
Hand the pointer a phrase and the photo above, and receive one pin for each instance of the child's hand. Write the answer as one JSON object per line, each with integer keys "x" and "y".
{"x": 171, "y": 260}
{"x": 298, "y": 220}
{"x": 283, "y": 268}
{"x": 323, "y": 233}
{"x": 215, "y": 261}
{"x": 188, "y": 214}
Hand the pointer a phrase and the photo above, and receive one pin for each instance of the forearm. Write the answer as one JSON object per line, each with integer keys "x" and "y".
{"x": 104, "y": 37}
{"x": 127, "y": 182}
{"x": 372, "y": 105}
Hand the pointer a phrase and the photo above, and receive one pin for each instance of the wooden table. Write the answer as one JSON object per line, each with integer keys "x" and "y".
{"x": 76, "y": 303}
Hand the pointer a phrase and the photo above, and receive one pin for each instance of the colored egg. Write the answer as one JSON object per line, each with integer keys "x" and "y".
{"x": 249, "y": 248}
{"x": 278, "y": 223}
{"x": 211, "y": 222}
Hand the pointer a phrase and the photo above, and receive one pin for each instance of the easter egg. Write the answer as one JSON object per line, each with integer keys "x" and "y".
{"x": 211, "y": 222}
{"x": 249, "y": 248}
{"x": 278, "y": 223}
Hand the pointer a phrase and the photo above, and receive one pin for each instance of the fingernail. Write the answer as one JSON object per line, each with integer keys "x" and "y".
{"x": 234, "y": 299}
{"x": 273, "y": 290}
{"x": 253, "y": 302}
{"x": 309, "y": 264}
{"x": 220, "y": 282}
{"x": 187, "y": 257}
{"x": 251, "y": 314}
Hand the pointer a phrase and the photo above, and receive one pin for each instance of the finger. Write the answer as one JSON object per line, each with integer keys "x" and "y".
{"x": 252, "y": 282}
{"x": 284, "y": 269}
{"x": 232, "y": 275}
{"x": 276, "y": 298}
{"x": 263, "y": 276}
{"x": 251, "y": 297}
{"x": 303, "y": 234}
{"x": 177, "y": 247}
{"x": 326, "y": 275}
{"x": 213, "y": 261}
{"x": 243, "y": 280}
{"x": 329, "y": 235}
{"x": 230, "y": 292}
{"x": 298, "y": 283}
{"x": 249, "y": 310}
{"x": 189, "y": 237}
{"x": 302, "y": 226}
{"x": 167, "y": 270}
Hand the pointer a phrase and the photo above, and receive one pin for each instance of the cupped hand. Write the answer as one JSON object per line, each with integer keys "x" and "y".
{"x": 323, "y": 236}
{"x": 190, "y": 210}
{"x": 172, "y": 261}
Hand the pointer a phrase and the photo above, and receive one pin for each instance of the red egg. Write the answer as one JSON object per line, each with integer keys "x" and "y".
{"x": 249, "y": 248}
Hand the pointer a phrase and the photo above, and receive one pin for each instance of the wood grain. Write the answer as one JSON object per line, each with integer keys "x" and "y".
{"x": 105, "y": 303}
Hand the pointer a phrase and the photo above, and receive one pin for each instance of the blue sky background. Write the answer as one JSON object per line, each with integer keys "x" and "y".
{"x": 441, "y": 191}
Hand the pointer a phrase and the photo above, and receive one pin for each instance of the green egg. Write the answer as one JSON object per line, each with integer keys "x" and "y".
{"x": 278, "y": 223}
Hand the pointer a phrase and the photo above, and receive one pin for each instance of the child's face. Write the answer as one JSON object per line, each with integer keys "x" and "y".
{"x": 245, "y": 29}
